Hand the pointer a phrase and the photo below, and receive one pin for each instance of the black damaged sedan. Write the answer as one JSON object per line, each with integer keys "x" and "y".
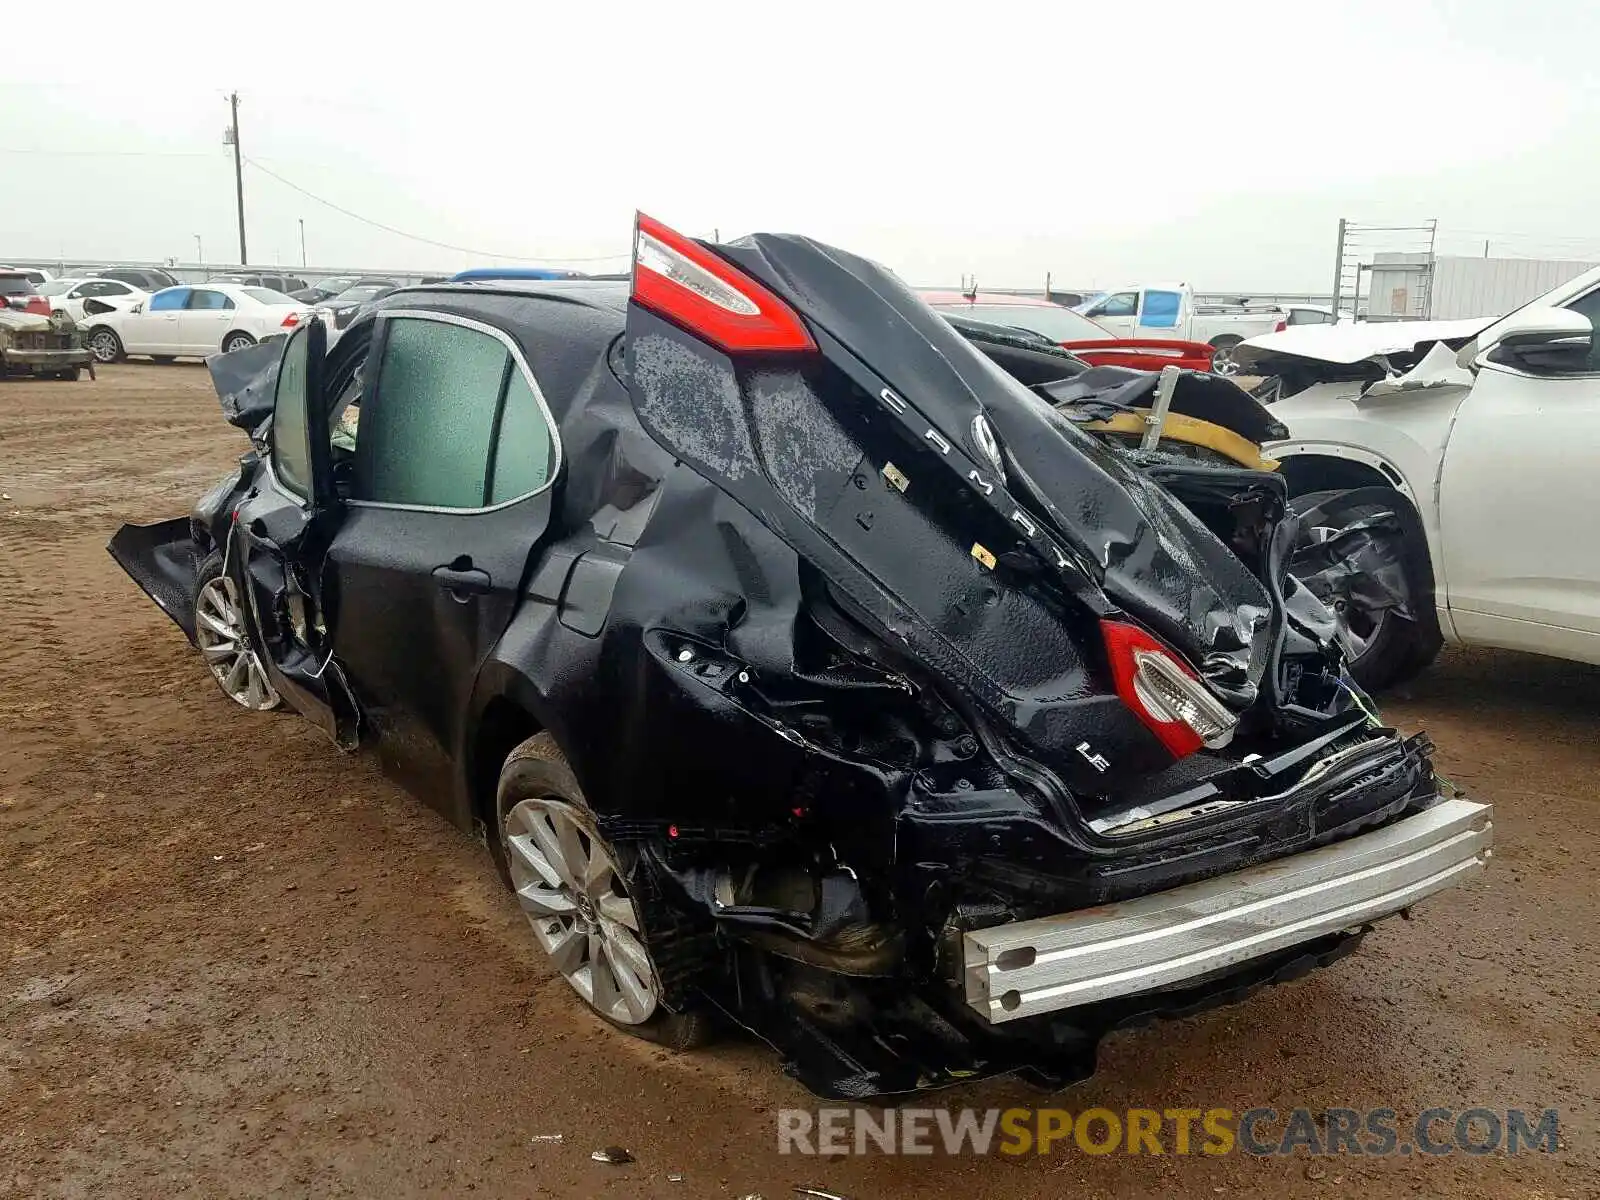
{"x": 808, "y": 662}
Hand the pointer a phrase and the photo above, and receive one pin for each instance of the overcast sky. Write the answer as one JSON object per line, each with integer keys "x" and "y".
{"x": 1213, "y": 142}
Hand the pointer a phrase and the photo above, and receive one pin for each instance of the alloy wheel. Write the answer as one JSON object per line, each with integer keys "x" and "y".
{"x": 220, "y": 634}
{"x": 574, "y": 898}
{"x": 237, "y": 342}
{"x": 104, "y": 346}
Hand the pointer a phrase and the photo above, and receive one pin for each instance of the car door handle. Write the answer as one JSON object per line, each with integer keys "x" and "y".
{"x": 462, "y": 582}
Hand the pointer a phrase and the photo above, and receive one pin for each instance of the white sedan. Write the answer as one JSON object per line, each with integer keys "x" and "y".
{"x": 68, "y": 295}
{"x": 193, "y": 322}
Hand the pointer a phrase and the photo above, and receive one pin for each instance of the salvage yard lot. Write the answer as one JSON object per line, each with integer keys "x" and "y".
{"x": 238, "y": 963}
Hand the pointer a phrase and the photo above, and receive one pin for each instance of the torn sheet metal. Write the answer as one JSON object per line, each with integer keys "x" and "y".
{"x": 247, "y": 382}
{"x": 1353, "y": 342}
{"x": 1360, "y": 564}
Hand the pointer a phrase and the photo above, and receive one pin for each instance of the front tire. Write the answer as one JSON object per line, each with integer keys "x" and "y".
{"x": 1382, "y": 648}
{"x": 223, "y": 641}
{"x": 105, "y": 345}
{"x": 573, "y": 888}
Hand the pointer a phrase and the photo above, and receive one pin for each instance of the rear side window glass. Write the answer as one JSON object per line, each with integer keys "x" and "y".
{"x": 203, "y": 298}
{"x": 291, "y": 446}
{"x": 1160, "y": 310}
{"x": 172, "y": 298}
{"x": 524, "y": 450}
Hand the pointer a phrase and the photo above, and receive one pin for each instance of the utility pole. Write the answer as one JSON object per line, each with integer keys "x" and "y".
{"x": 232, "y": 139}
{"x": 199, "y": 251}
{"x": 302, "y": 243}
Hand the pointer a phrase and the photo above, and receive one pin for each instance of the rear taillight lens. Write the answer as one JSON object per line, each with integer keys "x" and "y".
{"x": 1280, "y": 327}
{"x": 290, "y": 321}
{"x": 677, "y": 278}
{"x": 1164, "y": 693}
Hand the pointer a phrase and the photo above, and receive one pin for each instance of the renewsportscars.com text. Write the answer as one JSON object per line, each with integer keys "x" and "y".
{"x": 1176, "y": 1131}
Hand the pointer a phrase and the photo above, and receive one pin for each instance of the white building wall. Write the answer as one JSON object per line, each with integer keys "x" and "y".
{"x": 1462, "y": 287}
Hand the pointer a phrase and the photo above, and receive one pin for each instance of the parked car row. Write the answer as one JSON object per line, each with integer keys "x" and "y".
{"x": 192, "y": 321}
{"x": 924, "y": 697}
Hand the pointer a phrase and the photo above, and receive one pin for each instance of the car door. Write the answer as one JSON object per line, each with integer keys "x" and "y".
{"x": 276, "y": 543}
{"x": 205, "y": 320}
{"x": 1519, "y": 497}
{"x": 448, "y": 494}
{"x": 1117, "y": 312}
{"x": 1160, "y": 312}
{"x": 154, "y": 328}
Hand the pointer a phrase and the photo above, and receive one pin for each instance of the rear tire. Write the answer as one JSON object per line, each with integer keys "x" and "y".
{"x": 237, "y": 340}
{"x": 1222, "y": 360}
{"x": 1382, "y": 648}
{"x": 105, "y": 345}
{"x": 539, "y": 804}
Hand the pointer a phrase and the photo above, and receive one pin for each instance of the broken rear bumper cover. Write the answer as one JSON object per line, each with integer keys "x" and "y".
{"x": 1175, "y": 937}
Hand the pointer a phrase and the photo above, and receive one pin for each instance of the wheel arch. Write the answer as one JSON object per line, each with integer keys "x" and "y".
{"x": 232, "y": 333}
{"x": 1320, "y": 467}
{"x": 503, "y": 723}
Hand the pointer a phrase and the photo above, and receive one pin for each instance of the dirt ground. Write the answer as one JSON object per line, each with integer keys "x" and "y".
{"x": 238, "y": 963}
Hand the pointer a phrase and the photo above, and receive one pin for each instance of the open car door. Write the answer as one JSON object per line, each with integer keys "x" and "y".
{"x": 278, "y": 537}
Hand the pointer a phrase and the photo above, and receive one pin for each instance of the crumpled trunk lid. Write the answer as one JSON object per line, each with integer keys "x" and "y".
{"x": 974, "y": 530}
{"x": 1148, "y": 553}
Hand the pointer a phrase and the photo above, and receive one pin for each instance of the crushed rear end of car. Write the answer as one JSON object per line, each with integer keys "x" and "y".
{"x": 1043, "y": 739}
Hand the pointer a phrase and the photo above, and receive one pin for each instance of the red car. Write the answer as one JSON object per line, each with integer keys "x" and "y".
{"x": 16, "y": 291}
{"x": 1072, "y": 331}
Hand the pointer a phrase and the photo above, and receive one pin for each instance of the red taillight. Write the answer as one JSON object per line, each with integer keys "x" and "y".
{"x": 677, "y": 278}
{"x": 1280, "y": 326}
{"x": 290, "y": 321}
{"x": 1163, "y": 692}
{"x": 38, "y": 306}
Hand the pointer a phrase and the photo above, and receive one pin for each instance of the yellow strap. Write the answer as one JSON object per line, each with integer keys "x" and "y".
{"x": 1181, "y": 428}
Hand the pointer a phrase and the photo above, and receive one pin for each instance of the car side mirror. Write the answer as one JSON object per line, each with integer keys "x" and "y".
{"x": 138, "y": 308}
{"x": 1544, "y": 341}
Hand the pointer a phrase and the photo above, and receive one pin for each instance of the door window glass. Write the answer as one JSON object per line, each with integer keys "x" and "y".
{"x": 1309, "y": 316}
{"x": 203, "y": 298}
{"x": 172, "y": 298}
{"x": 1589, "y": 306}
{"x": 454, "y": 423}
{"x": 1123, "y": 304}
{"x": 1160, "y": 310}
{"x": 291, "y": 444}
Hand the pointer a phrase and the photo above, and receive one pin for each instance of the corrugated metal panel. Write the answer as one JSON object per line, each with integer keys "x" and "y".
{"x": 1491, "y": 287}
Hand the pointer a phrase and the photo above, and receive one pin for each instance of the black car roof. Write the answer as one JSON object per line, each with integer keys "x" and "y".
{"x": 606, "y": 294}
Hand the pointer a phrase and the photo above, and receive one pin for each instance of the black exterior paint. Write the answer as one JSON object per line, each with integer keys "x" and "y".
{"x": 765, "y": 662}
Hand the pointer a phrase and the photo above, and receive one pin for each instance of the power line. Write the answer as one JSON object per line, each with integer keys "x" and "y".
{"x": 106, "y": 153}
{"x": 355, "y": 216}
